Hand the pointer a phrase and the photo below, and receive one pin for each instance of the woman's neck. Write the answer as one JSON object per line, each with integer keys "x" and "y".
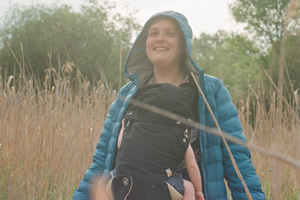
{"x": 171, "y": 76}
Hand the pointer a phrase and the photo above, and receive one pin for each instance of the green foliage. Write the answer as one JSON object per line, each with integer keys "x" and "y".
{"x": 291, "y": 63}
{"x": 292, "y": 58}
{"x": 47, "y": 36}
{"x": 231, "y": 57}
{"x": 263, "y": 18}
{"x": 266, "y": 20}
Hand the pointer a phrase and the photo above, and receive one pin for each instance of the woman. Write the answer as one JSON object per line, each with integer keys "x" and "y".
{"x": 158, "y": 59}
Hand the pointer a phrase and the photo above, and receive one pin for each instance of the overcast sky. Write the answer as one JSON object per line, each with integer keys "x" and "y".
{"x": 203, "y": 15}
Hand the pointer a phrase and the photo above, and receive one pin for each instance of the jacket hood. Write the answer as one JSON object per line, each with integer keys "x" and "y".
{"x": 138, "y": 67}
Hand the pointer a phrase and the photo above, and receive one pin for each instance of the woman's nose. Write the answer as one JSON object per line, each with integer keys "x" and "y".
{"x": 160, "y": 37}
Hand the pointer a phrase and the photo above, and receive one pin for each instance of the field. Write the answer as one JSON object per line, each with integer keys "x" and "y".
{"x": 48, "y": 135}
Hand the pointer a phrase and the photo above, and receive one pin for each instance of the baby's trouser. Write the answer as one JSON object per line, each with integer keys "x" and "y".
{"x": 173, "y": 187}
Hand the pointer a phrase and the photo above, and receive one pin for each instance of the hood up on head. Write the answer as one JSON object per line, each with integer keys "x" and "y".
{"x": 138, "y": 67}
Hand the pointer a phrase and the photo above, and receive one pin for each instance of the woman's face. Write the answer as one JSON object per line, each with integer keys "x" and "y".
{"x": 164, "y": 44}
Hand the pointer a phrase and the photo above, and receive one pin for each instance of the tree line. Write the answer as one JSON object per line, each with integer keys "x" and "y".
{"x": 37, "y": 40}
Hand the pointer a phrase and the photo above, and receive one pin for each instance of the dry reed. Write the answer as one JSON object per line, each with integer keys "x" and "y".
{"x": 266, "y": 128}
{"x": 48, "y": 137}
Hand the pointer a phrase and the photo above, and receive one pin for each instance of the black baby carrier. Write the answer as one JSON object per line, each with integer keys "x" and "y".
{"x": 153, "y": 145}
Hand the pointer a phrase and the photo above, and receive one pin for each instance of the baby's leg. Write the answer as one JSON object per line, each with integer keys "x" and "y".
{"x": 189, "y": 192}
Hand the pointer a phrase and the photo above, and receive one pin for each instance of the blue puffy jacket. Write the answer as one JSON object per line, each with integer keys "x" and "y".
{"x": 215, "y": 162}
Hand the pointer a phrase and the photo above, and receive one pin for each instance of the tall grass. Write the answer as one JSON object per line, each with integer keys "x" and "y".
{"x": 276, "y": 130}
{"x": 48, "y": 135}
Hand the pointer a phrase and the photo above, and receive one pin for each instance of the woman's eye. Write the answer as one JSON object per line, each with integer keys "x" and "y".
{"x": 170, "y": 34}
{"x": 153, "y": 33}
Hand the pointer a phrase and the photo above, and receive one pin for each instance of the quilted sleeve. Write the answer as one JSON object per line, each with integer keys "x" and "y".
{"x": 230, "y": 123}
